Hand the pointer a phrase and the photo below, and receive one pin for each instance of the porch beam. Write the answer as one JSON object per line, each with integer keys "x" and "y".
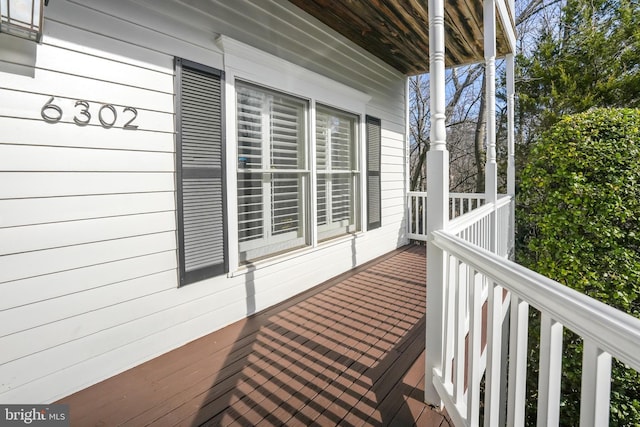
{"x": 437, "y": 208}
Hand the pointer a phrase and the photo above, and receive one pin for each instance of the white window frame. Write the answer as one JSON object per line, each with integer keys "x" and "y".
{"x": 247, "y": 64}
{"x": 270, "y": 242}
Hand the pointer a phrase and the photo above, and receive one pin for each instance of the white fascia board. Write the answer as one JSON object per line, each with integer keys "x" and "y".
{"x": 507, "y": 23}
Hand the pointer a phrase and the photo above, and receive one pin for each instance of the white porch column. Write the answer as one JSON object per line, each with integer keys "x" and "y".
{"x": 494, "y": 348}
{"x": 491, "y": 171}
{"x": 511, "y": 90}
{"x": 437, "y": 199}
{"x": 511, "y": 162}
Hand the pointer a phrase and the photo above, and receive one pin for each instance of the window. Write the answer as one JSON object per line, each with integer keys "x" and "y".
{"x": 200, "y": 172}
{"x": 337, "y": 172}
{"x": 273, "y": 172}
{"x": 374, "y": 207}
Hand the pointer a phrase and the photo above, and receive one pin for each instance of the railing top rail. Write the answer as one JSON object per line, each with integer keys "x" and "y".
{"x": 468, "y": 195}
{"x": 471, "y": 195}
{"x": 612, "y": 330}
{"x": 468, "y": 219}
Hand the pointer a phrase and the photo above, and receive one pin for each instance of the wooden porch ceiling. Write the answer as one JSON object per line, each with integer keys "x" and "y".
{"x": 348, "y": 352}
{"x": 397, "y": 31}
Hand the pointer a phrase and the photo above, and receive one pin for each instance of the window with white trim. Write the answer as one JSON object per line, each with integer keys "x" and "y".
{"x": 337, "y": 172}
{"x": 273, "y": 174}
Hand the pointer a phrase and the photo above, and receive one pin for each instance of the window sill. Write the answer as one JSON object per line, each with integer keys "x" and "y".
{"x": 251, "y": 267}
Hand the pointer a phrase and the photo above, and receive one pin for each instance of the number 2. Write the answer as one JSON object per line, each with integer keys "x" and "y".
{"x": 128, "y": 125}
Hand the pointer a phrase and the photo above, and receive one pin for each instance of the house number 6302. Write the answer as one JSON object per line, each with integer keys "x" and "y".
{"x": 107, "y": 114}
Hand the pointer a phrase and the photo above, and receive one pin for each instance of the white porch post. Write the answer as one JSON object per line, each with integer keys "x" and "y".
{"x": 511, "y": 165}
{"x": 491, "y": 173}
{"x": 511, "y": 162}
{"x": 438, "y": 199}
{"x": 494, "y": 317}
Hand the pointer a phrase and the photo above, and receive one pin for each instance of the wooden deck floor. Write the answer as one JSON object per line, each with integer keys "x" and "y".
{"x": 348, "y": 352}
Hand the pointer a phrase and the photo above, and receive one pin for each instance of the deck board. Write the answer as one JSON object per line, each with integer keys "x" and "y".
{"x": 347, "y": 352}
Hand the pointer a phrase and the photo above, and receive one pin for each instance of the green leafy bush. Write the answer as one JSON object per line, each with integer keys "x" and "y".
{"x": 579, "y": 224}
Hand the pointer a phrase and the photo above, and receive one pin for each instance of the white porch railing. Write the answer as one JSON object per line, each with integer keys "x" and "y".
{"x": 478, "y": 281}
{"x": 459, "y": 204}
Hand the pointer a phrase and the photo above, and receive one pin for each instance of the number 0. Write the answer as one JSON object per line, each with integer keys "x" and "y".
{"x": 102, "y": 120}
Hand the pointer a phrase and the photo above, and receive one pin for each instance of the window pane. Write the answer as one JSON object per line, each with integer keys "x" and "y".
{"x": 250, "y": 206}
{"x": 250, "y": 129}
{"x": 341, "y": 199}
{"x": 322, "y": 199}
{"x": 286, "y": 191}
{"x": 287, "y": 134}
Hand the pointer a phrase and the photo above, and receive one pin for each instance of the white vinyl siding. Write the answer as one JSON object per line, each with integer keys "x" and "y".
{"x": 337, "y": 171}
{"x": 272, "y": 174}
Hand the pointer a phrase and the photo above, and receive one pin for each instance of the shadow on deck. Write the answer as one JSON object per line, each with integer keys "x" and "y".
{"x": 348, "y": 352}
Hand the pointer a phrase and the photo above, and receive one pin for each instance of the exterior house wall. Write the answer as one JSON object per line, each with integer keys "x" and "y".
{"x": 88, "y": 265}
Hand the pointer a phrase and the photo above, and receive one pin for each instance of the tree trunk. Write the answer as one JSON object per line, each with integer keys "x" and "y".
{"x": 481, "y": 129}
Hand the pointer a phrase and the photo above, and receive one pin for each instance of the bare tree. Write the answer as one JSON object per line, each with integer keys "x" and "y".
{"x": 462, "y": 100}
{"x": 466, "y": 107}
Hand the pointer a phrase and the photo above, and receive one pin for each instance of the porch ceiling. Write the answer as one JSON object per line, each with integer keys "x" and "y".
{"x": 397, "y": 31}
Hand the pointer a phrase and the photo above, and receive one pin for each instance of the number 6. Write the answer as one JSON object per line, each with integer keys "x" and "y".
{"x": 47, "y": 106}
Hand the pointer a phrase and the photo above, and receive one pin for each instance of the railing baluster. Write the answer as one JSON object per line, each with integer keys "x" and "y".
{"x": 460, "y": 334}
{"x": 517, "y": 361}
{"x": 450, "y": 310}
{"x": 596, "y": 386}
{"x": 494, "y": 352}
{"x": 550, "y": 371}
{"x": 452, "y": 208}
{"x": 423, "y": 229}
{"x": 475, "y": 332}
{"x": 410, "y": 214}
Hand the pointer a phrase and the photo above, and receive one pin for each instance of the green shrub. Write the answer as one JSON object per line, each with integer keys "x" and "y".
{"x": 579, "y": 223}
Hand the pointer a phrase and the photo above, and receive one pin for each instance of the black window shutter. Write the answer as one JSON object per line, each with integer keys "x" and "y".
{"x": 374, "y": 140}
{"x": 202, "y": 232}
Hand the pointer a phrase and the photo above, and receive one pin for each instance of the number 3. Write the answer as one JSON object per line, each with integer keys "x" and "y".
{"x": 84, "y": 112}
